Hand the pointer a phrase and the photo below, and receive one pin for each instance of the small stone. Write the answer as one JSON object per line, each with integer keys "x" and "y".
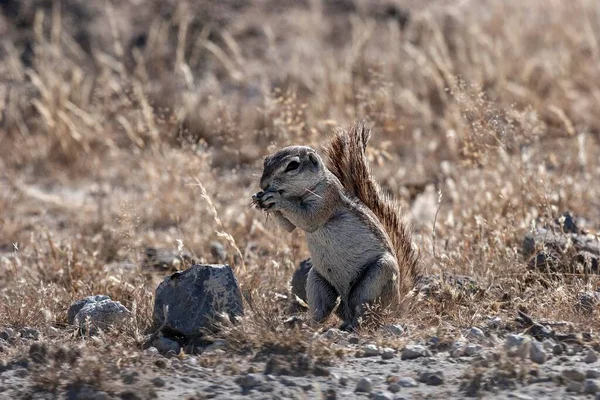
{"x": 370, "y": 350}
{"x": 158, "y": 382}
{"x": 514, "y": 341}
{"x": 129, "y": 395}
{"x": 8, "y": 334}
{"x": 151, "y": 351}
{"x": 557, "y": 350}
{"x": 394, "y": 388}
{"x": 407, "y": 382}
{"x": 548, "y": 344}
{"x": 343, "y": 381}
{"x": 388, "y": 353}
{"x": 38, "y": 352}
{"x": 591, "y": 386}
{"x": 573, "y": 375}
{"x": 161, "y": 363}
{"x": 476, "y": 333}
{"x": 332, "y": 333}
{"x": 30, "y": 333}
{"x": 411, "y": 352}
{"x": 574, "y": 387}
{"x": 587, "y": 301}
{"x": 432, "y": 378}
{"x": 330, "y": 394}
{"x": 592, "y": 374}
{"x": 537, "y": 354}
{"x": 591, "y": 357}
{"x": 395, "y": 330}
{"x": 248, "y": 382}
{"x": 167, "y": 346}
{"x": 472, "y": 349}
{"x": 494, "y": 322}
{"x": 381, "y": 396}
{"x": 130, "y": 378}
{"x": 364, "y": 385}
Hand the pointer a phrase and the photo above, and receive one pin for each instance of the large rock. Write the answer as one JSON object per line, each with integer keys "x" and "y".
{"x": 299, "y": 279}
{"x": 196, "y": 298}
{"x": 101, "y": 315}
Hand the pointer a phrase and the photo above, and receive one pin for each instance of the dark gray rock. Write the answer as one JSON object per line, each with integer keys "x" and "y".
{"x": 249, "y": 382}
{"x": 78, "y": 305}
{"x": 407, "y": 382}
{"x": 30, "y": 333}
{"x": 432, "y": 378}
{"x": 364, "y": 385}
{"x": 299, "y": 279}
{"x": 167, "y": 346}
{"x": 101, "y": 315}
{"x": 410, "y": 352}
{"x": 196, "y": 298}
{"x": 587, "y": 301}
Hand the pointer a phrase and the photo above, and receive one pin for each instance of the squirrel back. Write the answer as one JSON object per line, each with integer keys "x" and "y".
{"x": 347, "y": 160}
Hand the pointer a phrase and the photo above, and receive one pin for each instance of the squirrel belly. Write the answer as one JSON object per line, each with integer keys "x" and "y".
{"x": 360, "y": 248}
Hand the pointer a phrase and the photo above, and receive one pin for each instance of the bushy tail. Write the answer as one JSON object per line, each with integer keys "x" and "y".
{"x": 347, "y": 160}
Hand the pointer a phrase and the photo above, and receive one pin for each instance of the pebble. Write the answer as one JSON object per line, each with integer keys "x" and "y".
{"x": 158, "y": 382}
{"x": 537, "y": 354}
{"x": 514, "y": 341}
{"x": 370, "y": 350}
{"x": 411, "y": 352}
{"x": 381, "y": 396}
{"x": 407, "y": 382}
{"x": 248, "y": 382}
{"x": 167, "y": 346}
{"x": 8, "y": 334}
{"x": 574, "y": 387}
{"x": 388, "y": 353}
{"x": 364, "y": 386}
{"x": 30, "y": 333}
{"x": 591, "y": 357}
{"x": 151, "y": 351}
{"x": 432, "y": 378}
{"x": 396, "y": 330}
{"x": 472, "y": 349}
{"x": 494, "y": 322}
{"x": 476, "y": 333}
{"x": 573, "y": 375}
{"x": 330, "y": 394}
{"x": 557, "y": 350}
{"x": 591, "y": 386}
{"x": 394, "y": 388}
{"x": 592, "y": 374}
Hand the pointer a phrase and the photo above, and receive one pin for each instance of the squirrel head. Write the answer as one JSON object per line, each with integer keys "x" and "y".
{"x": 292, "y": 171}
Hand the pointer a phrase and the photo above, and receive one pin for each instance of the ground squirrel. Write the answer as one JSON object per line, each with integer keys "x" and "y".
{"x": 360, "y": 249}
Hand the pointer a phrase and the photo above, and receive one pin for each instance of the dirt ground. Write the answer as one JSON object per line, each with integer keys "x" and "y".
{"x": 127, "y": 126}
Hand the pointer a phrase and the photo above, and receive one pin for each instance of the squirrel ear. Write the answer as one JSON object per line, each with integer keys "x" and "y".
{"x": 313, "y": 158}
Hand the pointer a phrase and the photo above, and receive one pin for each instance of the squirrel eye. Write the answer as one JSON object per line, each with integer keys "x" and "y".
{"x": 292, "y": 166}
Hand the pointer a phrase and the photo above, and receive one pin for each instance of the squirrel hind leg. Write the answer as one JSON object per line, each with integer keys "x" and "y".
{"x": 321, "y": 296}
{"x": 378, "y": 282}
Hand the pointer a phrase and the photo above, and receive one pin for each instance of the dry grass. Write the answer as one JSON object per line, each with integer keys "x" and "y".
{"x": 109, "y": 125}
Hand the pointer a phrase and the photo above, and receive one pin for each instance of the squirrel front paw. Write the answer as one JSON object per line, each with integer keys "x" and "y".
{"x": 266, "y": 200}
